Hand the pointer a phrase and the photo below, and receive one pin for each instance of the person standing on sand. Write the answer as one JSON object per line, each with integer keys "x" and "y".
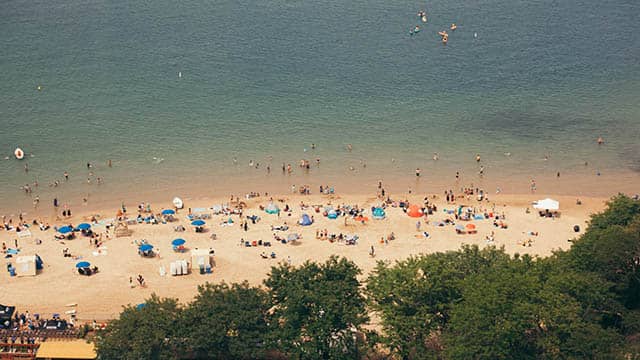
{"x": 109, "y": 163}
{"x": 417, "y": 172}
{"x": 533, "y": 186}
{"x": 372, "y": 252}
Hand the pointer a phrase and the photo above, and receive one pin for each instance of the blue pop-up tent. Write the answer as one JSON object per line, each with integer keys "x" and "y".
{"x": 305, "y": 220}
{"x": 378, "y": 213}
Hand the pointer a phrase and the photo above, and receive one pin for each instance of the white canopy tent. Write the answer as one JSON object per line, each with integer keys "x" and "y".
{"x": 547, "y": 204}
{"x": 26, "y": 265}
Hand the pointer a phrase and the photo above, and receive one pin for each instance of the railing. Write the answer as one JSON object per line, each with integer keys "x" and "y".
{"x": 18, "y": 351}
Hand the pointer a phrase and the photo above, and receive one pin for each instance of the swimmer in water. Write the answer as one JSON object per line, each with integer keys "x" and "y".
{"x": 600, "y": 140}
{"x": 477, "y": 157}
{"x": 349, "y": 147}
{"x": 435, "y": 156}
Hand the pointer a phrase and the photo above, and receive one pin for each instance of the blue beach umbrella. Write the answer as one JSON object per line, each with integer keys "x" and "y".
{"x": 65, "y": 229}
{"x": 145, "y": 247}
{"x": 140, "y": 306}
{"x": 168, "y": 212}
{"x": 83, "y": 226}
{"x": 198, "y": 222}
{"x": 178, "y": 242}
{"x": 83, "y": 264}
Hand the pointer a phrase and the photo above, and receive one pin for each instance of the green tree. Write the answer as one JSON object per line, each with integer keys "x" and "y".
{"x": 525, "y": 310}
{"x": 227, "y": 322}
{"x": 614, "y": 253}
{"x": 318, "y": 308}
{"x": 413, "y": 297}
{"x": 147, "y": 332}
{"x": 621, "y": 210}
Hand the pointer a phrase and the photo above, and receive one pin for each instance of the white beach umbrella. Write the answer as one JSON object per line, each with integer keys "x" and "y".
{"x": 546, "y": 204}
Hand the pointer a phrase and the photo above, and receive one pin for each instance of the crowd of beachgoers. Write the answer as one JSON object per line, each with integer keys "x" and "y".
{"x": 314, "y": 219}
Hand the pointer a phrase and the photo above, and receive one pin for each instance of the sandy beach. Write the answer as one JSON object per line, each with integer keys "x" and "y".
{"x": 101, "y": 296}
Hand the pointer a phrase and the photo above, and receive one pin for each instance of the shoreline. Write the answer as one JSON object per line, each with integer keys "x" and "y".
{"x": 112, "y": 195}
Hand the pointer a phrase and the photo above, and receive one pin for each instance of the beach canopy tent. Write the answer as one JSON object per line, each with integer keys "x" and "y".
{"x": 546, "y": 204}
{"x": 83, "y": 264}
{"x": 293, "y": 237}
{"x": 414, "y": 211}
{"x": 67, "y": 349}
{"x": 65, "y": 229}
{"x": 217, "y": 209}
{"x": 6, "y": 314}
{"x": 145, "y": 247}
{"x": 178, "y": 242}
{"x": 378, "y": 213}
{"x": 26, "y": 265}
{"x": 198, "y": 222}
{"x": 200, "y": 257}
{"x": 84, "y": 226}
{"x": 168, "y": 212}
{"x": 305, "y": 220}
{"x": 272, "y": 208}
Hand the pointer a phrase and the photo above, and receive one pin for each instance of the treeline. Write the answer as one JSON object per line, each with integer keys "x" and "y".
{"x": 467, "y": 304}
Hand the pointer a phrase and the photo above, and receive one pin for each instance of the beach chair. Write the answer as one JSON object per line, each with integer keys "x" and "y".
{"x": 24, "y": 233}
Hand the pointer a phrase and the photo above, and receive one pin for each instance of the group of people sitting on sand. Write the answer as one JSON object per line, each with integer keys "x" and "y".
{"x": 340, "y": 237}
{"x": 26, "y": 321}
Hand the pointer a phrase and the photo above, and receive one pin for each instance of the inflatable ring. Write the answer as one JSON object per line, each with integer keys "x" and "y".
{"x": 19, "y": 154}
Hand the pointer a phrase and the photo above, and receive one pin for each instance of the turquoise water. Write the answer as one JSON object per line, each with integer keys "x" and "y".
{"x": 269, "y": 78}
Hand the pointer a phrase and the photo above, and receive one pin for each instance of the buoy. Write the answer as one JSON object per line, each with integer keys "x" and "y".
{"x": 475, "y": 34}
{"x": 180, "y": 74}
{"x": 19, "y": 154}
{"x": 39, "y": 87}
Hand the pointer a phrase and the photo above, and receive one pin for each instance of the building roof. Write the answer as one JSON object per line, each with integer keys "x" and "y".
{"x": 74, "y": 349}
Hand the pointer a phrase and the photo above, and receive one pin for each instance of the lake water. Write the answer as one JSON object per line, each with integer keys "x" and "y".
{"x": 172, "y": 92}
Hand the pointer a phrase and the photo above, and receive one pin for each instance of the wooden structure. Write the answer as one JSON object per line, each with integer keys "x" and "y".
{"x": 16, "y": 351}
{"x": 121, "y": 229}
